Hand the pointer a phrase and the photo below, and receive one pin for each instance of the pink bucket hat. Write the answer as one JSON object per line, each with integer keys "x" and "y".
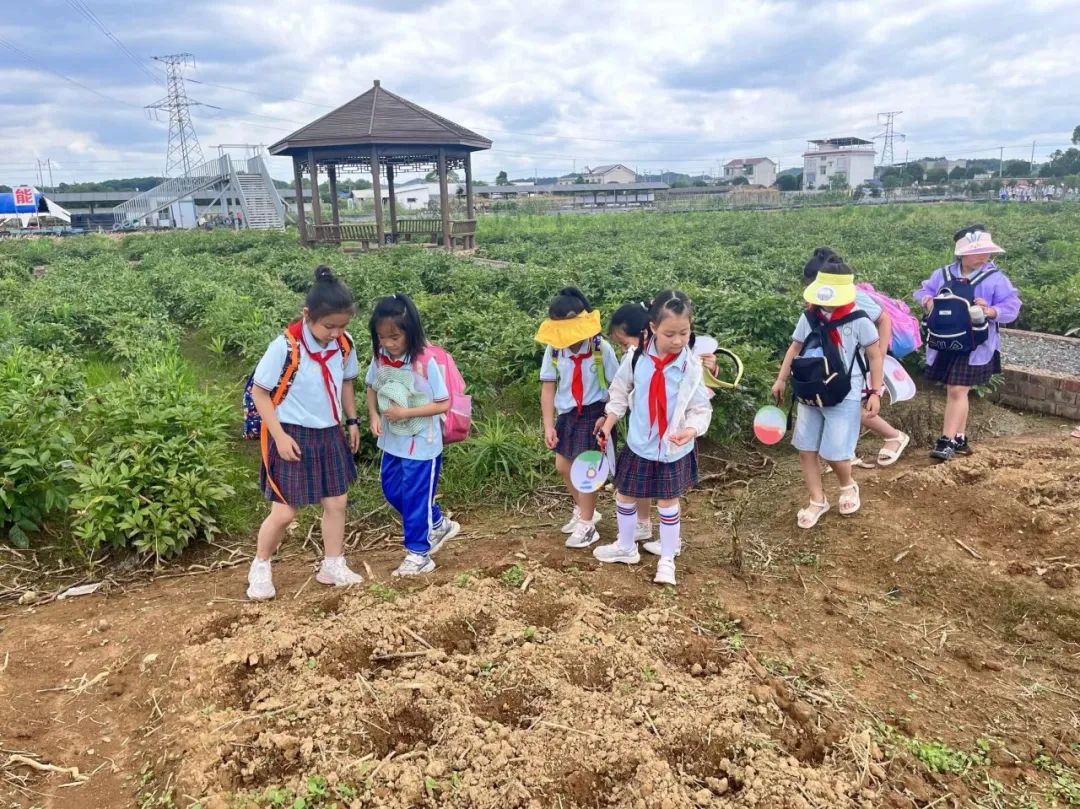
{"x": 978, "y": 242}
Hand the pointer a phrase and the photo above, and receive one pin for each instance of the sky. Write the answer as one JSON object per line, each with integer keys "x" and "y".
{"x": 678, "y": 85}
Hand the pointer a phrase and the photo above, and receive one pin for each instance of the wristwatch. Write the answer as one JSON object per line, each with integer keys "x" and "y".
{"x": 351, "y": 422}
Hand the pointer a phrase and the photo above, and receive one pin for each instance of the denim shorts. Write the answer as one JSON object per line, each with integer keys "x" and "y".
{"x": 831, "y": 432}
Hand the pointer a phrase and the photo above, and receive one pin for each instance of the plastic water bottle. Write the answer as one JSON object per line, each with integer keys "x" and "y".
{"x": 978, "y": 316}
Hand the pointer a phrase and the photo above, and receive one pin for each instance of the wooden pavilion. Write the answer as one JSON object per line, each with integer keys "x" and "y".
{"x": 383, "y": 134}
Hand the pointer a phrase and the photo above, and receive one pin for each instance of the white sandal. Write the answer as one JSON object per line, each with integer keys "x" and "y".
{"x": 808, "y": 519}
{"x": 887, "y": 457}
{"x": 850, "y": 503}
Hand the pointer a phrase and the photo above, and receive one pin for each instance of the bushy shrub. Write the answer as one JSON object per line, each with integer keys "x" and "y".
{"x": 505, "y": 457}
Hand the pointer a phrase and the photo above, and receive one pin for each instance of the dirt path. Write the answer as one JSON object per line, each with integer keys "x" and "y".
{"x": 875, "y": 661}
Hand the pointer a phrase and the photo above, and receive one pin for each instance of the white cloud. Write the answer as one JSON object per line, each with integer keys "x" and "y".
{"x": 677, "y": 85}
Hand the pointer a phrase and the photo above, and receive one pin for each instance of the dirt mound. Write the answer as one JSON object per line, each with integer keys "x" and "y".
{"x": 482, "y": 696}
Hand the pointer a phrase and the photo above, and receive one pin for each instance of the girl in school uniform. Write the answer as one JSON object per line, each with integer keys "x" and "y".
{"x": 572, "y": 396}
{"x": 310, "y": 460}
{"x": 1000, "y": 303}
{"x": 661, "y": 384}
{"x": 410, "y": 434}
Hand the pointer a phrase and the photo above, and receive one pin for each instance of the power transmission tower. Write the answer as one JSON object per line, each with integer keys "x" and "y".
{"x": 887, "y": 118}
{"x": 184, "y": 152}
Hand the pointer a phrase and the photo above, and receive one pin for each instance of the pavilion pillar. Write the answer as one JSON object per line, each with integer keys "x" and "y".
{"x": 468, "y": 186}
{"x": 376, "y": 188}
{"x": 316, "y": 203}
{"x": 298, "y": 186}
{"x": 392, "y": 201}
{"x": 444, "y": 201}
{"x": 331, "y": 175}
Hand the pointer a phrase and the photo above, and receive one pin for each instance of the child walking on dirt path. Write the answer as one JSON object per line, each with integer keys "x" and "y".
{"x": 896, "y": 441}
{"x": 406, "y": 395}
{"x": 629, "y": 328}
{"x": 574, "y": 376}
{"x": 307, "y": 458}
{"x": 661, "y": 383}
{"x": 828, "y": 370}
{"x": 986, "y": 293}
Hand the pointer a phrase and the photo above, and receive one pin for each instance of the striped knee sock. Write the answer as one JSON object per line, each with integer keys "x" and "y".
{"x": 670, "y": 527}
{"x": 626, "y": 516}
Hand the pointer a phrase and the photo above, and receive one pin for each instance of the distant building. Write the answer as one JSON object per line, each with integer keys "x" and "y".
{"x": 411, "y": 196}
{"x": 824, "y": 159}
{"x": 756, "y": 170}
{"x": 943, "y": 163}
{"x": 586, "y": 195}
{"x": 603, "y": 175}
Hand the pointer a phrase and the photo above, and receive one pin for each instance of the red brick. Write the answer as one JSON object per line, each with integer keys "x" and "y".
{"x": 1071, "y": 384}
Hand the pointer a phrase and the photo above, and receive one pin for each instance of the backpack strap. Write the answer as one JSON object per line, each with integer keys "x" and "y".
{"x": 598, "y": 362}
{"x": 979, "y": 277}
{"x": 277, "y": 395}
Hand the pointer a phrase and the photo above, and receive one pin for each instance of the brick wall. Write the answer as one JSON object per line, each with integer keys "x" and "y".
{"x": 1041, "y": 392}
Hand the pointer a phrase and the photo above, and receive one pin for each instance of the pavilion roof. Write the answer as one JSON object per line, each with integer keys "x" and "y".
{"x": 379, "y": 117}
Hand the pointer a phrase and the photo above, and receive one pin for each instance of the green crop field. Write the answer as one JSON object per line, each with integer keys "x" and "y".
{"x": 122, "y": 360}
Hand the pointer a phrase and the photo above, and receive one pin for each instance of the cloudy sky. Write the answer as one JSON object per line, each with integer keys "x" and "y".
{"x": 678, "y": 85}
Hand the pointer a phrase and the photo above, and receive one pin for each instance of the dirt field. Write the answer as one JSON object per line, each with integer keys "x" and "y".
{"x": 924, "y": 653}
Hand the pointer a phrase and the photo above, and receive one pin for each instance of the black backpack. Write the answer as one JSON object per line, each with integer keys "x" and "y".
{"x": 824, "y": 381}
{"x": 948, "y": 325}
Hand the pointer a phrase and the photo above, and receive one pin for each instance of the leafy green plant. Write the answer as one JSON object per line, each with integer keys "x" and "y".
{"x": 513, "y": 576}
{"x": 504, "y": 456}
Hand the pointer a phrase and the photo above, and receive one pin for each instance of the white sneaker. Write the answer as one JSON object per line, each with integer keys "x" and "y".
{"x": 414, "y": 565}
{"x": 654, "y": 548}
{"x": 643, "y": 531}
{"x": 575, "y": 518}
{"x": 615, "y": 553}
{"x": 584, "y": 535}
{"x": 440, "y": 536}
{"x": 260, "y": 581}
{"x": 665, "y": 571}
{"x": 334, "y": 571}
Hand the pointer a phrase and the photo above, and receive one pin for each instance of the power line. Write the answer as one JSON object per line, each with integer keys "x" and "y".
{"x": 82, "y": 8}
{"x": 887, "y": 158}
{"x": 184, "y": 151}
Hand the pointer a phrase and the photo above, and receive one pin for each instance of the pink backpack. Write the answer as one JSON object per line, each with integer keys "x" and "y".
{"x": 906, "y": 335}
{"x": 457, "y": 421}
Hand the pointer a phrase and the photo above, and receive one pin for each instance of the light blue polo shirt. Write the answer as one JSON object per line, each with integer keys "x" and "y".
{"x": 558, "y": 367}
{"x": 427, "y": 444}
{"x": 307, "y": 404}
{"x": 643, "y": 438}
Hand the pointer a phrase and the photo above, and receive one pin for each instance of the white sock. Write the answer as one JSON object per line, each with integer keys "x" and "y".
{"x": 626, "y": 517}
{"x": 670, "y": 527}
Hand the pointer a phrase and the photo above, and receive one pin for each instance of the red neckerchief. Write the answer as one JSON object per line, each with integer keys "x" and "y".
{"x": 658, "y": 392}
{"x": 321, "y": 357}
{"x": 385, "y": 360}
{"x": 577, "y": 383}
{"x": 837, "y": 313}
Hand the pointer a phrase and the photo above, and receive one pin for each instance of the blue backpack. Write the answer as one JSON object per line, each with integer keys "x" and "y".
{"x": 949, "y": 327}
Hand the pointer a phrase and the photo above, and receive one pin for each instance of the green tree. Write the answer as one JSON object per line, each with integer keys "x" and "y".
{"x": 891, "y": 181}
{"x": 789, "y": 182}
{"x": 1076, "y": 136}
{"x": 936, "y": 175}
{"x": 958, "y": 173}
{"x": 913, "y": 173}
{"x": 433, "y": 176}
{"x": 1017, "y": 168}
{"x": 501, "y": 179}
{"x": 739, "y": 180}
{"x": 838, "y": 182}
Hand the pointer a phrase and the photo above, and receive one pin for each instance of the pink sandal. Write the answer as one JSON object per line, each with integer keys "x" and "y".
{"x": 808, "y": 518}
{"x": 850, "y": 503}
{"x": 1075, "y": 433}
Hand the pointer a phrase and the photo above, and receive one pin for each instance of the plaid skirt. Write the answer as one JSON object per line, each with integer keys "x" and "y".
{"x": 325, "y": 469}
{"x": 636, "y": 477}
{"x": 953, "y": 369}
{"x": 576, "y": 433}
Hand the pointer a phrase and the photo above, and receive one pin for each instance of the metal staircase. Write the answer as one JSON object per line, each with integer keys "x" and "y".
{"x": 243, "y": 180}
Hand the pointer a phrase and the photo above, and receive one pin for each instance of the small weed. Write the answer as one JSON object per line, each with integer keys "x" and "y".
{"x": 530, "y": 633}
{"x": 311, "y": 663}
{"x": 486, "y": 666}
{"x": 573, "y": 570}
{"x": 464, "y": 579}
{"x": 781, "y": 668}
{"x": 1066, "y": 783}
{"x": 431, "y": 786}
{"x": 735, "y": 641}
{"x": 806, "y": 559}
{"x": 384, "y": 592}
{"x": 935, "y": 755}
{"x": 513, "y": 576}
{"x": 455, "y": 779}
{"x": 648, "y": 674}
{"x": 858, "y": 670}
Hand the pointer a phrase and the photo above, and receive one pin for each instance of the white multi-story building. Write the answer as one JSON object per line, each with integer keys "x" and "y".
{"x": 756, "y": 170}
{"x": 824, "y": 159}
{"x": 611, "y": 173}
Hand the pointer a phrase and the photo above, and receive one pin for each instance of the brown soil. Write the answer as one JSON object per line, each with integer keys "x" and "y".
{"x": 799, "y": 681}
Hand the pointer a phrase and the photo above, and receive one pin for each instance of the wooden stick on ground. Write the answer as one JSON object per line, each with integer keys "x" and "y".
{"x": 417, "y": 638}
{"x": 967, "y": 548}
{"x": 26, "y": 761}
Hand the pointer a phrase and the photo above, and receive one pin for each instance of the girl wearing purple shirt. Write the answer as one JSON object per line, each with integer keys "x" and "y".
{"x": 998, "y": 299}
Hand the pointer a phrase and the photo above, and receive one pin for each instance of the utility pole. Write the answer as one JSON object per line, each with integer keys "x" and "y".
{"x": 184, "y": 152}
{"x": 1001, "y": 162}
{"x": 1032, "y": 170}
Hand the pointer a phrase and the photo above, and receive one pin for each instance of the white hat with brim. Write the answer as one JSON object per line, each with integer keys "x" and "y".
{"x": 394, "y": 386}
{"x": 976, "y": 243}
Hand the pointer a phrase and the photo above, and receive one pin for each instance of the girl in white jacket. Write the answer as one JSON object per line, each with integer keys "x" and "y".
{"x": 663, "y": 387}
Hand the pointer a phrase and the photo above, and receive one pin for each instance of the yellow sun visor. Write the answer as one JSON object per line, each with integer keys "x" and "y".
{"x": 712, "y": 381}
{"x": 568, "y": 332}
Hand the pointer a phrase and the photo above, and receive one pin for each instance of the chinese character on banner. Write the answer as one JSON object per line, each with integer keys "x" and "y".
{"x": 24, "y": 196}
